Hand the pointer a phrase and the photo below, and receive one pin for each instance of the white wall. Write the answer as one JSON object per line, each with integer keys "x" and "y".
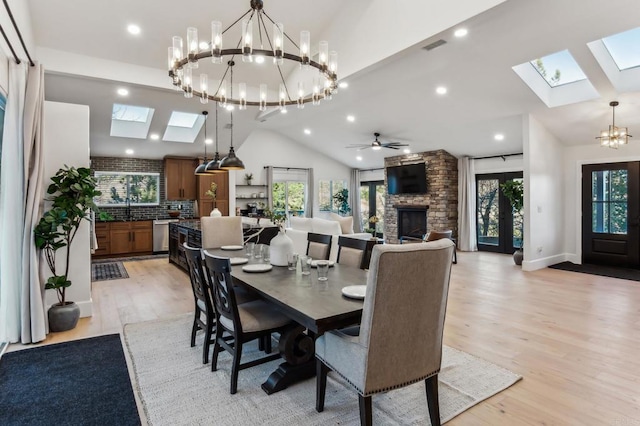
{"x": 66, "y": 141}
{"x": 266, "y": 148}
{"x": 543, "y": 197}
{"x": 574, "y": 158}
{"x": 498, "y": 165}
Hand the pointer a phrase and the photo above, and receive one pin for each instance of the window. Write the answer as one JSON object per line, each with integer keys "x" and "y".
{"x": 559, "y": 68}
{"x": 288, "y": 198}
{"x": 326, "y": 190}
{"x": 130, "y": 121}
{"x": 623, "y": 48}
{"x": 372, "y": 199}
{"x": 122, "y": 188}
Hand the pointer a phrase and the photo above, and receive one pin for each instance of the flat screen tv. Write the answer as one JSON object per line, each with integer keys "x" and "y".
{"x": 407, "y": 179}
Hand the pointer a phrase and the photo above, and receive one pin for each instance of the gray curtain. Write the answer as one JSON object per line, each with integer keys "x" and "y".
{"x": 270, "y": 187}
{"x": 22, "y": 314}
{"x": 467, "y": 237}
{"x": 308, "y": 204}
{"x": 354, "y": 200}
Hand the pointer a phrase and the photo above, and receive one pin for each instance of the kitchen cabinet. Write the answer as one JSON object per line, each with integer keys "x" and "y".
{"x": 180, "y": 181}
{"x": 131, "y": 237}
{"x": 205, "y": 203}
{"x": 102, "y": 236}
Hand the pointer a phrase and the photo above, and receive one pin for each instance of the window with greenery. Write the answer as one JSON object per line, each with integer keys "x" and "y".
{"x": 609, "y": 201}
{"x": 122, "y": 188}
{"x": 326, "y": 190}
{"x": 288, "y": 198}
{"x": 372, "y": 202}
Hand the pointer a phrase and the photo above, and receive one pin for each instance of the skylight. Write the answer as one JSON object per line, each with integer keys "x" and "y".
{"x": 559, "y": 68}
{"x": 182, "y": 119}
{"x": 130, "y": 113}
{"x": 624, "y": 48}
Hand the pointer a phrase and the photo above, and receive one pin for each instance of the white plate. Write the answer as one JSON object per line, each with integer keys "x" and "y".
{"x": 231, "y": 248}
{"x": 314, "y": 263}
{"x": 238, "y": 260}
{"x": 258, "y": 267}
{"x": 354, "y": 291}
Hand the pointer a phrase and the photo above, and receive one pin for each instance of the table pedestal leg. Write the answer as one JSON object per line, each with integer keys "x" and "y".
{"x": 298, "y": 350}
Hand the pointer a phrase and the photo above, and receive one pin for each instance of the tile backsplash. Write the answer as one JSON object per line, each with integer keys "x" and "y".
{"x": 117, "y": 164}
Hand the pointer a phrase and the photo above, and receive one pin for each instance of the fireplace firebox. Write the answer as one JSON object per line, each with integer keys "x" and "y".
{"x": 412, "y": 220}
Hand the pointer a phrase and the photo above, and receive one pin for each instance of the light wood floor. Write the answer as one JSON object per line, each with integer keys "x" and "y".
{"x": 575, "y": 338}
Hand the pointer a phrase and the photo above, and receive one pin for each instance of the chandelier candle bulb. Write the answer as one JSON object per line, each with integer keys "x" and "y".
{"x": 247, "y": 40}
{"x": 242, "y": 89}
{"x": 192, "y": 45}
{"x": 204, "y": 88}
{"x": 305, "y": 43}
{"x": 222, "y": 93}
{"x": 283, "y": 97}
{"x": 263, "y": 97}
{"x": 188, "y": 84}
{"x": 216, "y": 42}
{"x": 278, "y": 42}
{"x": 300, "y": 95}
{"x": 323, "y": 54}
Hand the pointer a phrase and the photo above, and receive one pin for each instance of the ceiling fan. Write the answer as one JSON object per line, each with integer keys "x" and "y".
{"x": 377, "y": 145}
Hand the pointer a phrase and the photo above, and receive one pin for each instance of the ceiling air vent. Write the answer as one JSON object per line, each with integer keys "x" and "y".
{"x": 435, "y": 44}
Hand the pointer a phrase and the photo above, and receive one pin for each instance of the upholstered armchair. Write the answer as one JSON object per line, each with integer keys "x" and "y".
{"x": 400, "y": 337}
{"x": 221, "y": 231}
{"x": 432, "y": 236}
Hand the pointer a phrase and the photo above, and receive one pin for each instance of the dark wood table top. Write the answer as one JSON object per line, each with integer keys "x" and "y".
{"x": 318, "y": 306}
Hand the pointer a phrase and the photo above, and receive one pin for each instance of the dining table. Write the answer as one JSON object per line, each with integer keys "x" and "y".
{"x": 314, "y": 306}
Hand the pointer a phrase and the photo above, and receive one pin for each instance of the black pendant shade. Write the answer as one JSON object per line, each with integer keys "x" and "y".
{"x": 231, "y": 162}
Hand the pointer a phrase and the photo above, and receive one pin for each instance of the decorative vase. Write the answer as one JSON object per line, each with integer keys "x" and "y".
{"x": 518, "y": 255}
{"x": 281, "y": 246}
{"x": 215, "y": 212}
{"x": 63, "y": 317}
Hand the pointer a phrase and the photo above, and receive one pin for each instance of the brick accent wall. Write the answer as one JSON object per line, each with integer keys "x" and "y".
{"x": 117, "y": 164}
{"x": 441, "y": 196}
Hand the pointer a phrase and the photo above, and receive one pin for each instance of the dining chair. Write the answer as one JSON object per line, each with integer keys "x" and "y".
{"x": 318, "y": 246}
{"x": 399, "y": 341}
{"x": 241, "y": 322}
{"x": 203, "y": 302}
{"x": 355, "y": 252}
{"x": 221, "y": 231}
{"x": 433, "y": 236}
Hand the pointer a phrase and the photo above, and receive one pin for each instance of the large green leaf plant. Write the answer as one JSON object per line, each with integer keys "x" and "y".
{"x": 72, "y": 193}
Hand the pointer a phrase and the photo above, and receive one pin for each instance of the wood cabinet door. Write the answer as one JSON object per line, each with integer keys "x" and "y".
{"x": 204, "y": 184}
{"x": 173, "y": 179}
{"x": 205, "y": 206}
{"x": 120, "y": 241}
{"x": 142, "y": 241}
{"x": 189, "y": 190}
{"x": 222, "y": 179}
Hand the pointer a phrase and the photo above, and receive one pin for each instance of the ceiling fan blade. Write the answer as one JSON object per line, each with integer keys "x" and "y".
{"x": 390, "y": 147}
{"x": 360, "y": 146}
{"x": 395, "y": 144}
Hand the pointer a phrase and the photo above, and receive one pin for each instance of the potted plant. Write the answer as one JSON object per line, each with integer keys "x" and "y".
{"x": 513, "y": 190}
{"x": 72, "y": 193}
{"x": 372, "y": 225}
{"x": 281, "y": 246}
{"x": 341, "y": 199}
{"x": 213, "y": 190}
{"x": 248, "y": 177}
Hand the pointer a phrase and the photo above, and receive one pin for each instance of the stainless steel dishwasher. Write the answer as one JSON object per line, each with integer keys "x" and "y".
{"x": 161, "y": 235}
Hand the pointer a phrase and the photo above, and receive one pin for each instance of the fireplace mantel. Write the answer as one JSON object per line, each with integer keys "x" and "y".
{"x": 411, "y": 207}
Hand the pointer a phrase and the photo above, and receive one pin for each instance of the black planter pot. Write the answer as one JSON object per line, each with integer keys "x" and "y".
{"x": 63, "y": 317}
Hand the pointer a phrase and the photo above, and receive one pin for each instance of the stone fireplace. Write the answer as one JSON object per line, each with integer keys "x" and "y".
{"x": 412, "y": 220}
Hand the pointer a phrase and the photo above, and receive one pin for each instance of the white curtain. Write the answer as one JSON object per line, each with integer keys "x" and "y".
{"x": 354, "y": 200}
{"x": 308, "y": 202}
{"x": 467, "y": 237}
{"x": 22, "y": 316}
{"x": 270, "y": 187}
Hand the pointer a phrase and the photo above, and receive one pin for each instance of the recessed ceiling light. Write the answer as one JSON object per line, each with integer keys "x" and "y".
{"x": 283, "y": 111}
{"x": 133, "y": 29}
{"x": 343, "y": 85}
{"x": 441, "y": 90}
{"x": 307, "y": 131}
{"x": 259, "y": 59}
{"x": 351, "y": 118}
{"x": 123, "y": 92}
{"x": 230, "y": 107}
{"x": 154, "y": 136}
{"x": 499, "y": 137}
{"x": 208, "y": 141}
{"x": 129, "y": 151}
{"x": 359, "y": 158}
{"x": 203, "y": 45}
{"x": 461, "y": 32}
{"x": 407, "y": 151}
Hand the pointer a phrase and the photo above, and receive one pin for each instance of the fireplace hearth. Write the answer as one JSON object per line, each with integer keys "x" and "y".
{"x": 412, "y": 220}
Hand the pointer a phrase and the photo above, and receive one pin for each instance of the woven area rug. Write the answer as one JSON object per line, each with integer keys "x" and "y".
{"x": 177, "y": 389}
{"x": 108, "y": 271}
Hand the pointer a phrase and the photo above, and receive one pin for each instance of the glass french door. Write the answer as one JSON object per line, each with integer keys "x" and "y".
{"x": 611, "y": 214}
{"x": 372, "y": 198}
{"x": 499, "y": 229}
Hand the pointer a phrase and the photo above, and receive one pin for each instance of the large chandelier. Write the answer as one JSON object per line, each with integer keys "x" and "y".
{"x": 184, "y": 67}
{"x": 614, "y": 136}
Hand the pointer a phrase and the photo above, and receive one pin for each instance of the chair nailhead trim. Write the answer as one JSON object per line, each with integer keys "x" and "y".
{"x": 401, "y": 385}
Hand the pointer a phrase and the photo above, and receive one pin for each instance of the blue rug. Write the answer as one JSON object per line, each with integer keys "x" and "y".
{"x": 84, "y": 382}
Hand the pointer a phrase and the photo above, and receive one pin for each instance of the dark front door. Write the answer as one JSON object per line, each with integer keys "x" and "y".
{"x": 499, "y": 229}
{"x": 611, "y": 214}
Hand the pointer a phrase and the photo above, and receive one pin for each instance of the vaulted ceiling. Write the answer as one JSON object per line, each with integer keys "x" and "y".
{"x": 392, "y": 79}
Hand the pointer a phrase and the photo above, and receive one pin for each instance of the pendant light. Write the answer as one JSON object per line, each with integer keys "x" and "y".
{"x": 231, "y": 162}
{"x": 214, "y": 165}
{"x": 202, "y": 168}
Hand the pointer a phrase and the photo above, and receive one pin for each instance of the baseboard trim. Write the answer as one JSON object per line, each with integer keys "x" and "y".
{"x": 534, "y": 265}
